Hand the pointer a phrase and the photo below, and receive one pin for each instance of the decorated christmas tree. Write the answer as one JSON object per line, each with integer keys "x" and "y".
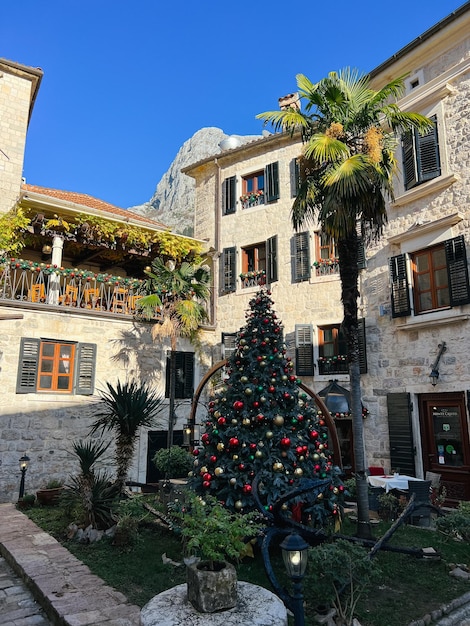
{"x": 261, "y": 424}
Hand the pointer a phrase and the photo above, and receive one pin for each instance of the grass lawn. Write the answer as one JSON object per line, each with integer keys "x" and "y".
{"x": 409, "y": 587}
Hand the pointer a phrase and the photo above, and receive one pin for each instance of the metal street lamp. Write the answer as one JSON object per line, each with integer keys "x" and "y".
{"x": 295, "y": 555}
{"x": 24, "y": 462}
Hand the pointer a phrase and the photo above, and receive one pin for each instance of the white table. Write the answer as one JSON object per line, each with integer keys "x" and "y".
{"x": 391, "y": 481}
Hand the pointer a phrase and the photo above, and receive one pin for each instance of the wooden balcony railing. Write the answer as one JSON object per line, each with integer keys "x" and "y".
{"x": 30, "y": 282}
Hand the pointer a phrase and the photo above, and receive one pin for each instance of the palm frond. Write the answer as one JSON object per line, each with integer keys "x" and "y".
{"x": 321, "y": 147}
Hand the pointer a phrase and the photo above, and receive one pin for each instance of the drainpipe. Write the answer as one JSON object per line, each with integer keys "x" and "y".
{"x": 54, "y": 279}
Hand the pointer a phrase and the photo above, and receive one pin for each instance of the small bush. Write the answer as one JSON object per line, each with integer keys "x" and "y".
{"x": 457, "y": 523}
{"x": 174, "y": 462}
{"x": 54, "y": 484}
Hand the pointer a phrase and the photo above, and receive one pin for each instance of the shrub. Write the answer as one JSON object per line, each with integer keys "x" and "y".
{"x": 174, "y": 462}
{"x": 54, "y": 484}
{"x": 456, "y": 524}
{"x": 338, "y": 573}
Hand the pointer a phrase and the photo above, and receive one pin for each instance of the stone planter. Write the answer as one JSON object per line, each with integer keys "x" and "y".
{"x": 48, "y": 497}
{"x": 210, "y": 591}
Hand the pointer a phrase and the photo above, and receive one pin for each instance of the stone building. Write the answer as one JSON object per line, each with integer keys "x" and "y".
{"x": 69, "y": 282}
{"x": 415, "y": 295}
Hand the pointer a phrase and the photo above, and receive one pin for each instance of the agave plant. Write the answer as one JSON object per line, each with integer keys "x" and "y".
{"x": 126, "y": 408}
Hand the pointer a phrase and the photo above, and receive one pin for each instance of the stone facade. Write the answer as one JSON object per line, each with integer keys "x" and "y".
{"x": 401, "y": 351}
{"x": 18, "y": 88}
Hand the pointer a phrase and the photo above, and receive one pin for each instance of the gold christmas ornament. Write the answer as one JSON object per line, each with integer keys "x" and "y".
{"x": 258, "y": 454}
{"x": 278, "y": 466}
{"x": 218, "y": 471}
{"x": 269, "y": 434}
{"x": 278, "y": 420}
{"x": 235, "y": 457}
{"x": 220, "y": 446}
{"x": 203, "y": 469}
{"x": 238, "y": 505}
{"x": 233, "y": 481}
{"x": 234, "y": 422}
{"x": 298, "y": 471}
{"x": 246, "y": 421}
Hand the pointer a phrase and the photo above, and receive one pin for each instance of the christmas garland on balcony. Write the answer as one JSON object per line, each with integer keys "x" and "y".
{"x": 77, "y": 274}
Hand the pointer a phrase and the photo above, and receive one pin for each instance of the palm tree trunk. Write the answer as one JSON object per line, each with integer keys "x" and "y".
{"x": 349, "y": 273}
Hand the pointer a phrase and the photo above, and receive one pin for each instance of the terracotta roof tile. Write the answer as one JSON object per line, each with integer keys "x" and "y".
{"x": 85, "y": 200}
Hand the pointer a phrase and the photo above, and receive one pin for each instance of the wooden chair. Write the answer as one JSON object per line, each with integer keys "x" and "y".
{"x": 120, "y": 300}
{"x": 91, "y": 297}
{"x": 37, "y": 293}
{"x": 133, "y": 303}
{"x": 70, "y": 296}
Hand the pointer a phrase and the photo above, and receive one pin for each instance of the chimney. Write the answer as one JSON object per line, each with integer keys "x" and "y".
{"x": 291, "y": 101}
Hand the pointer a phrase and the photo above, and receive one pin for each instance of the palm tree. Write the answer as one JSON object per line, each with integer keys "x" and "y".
{"x": 178, "y": 295}
{"x": 349, "y": 133}
{"x": 127, "y": 407}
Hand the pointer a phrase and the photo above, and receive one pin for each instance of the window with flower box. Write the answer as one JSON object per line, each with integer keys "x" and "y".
{"x": 433, "y": 279}
{"x": 332, "y": 349}
{"x": 50, "y": 366}
{"x": 259, "y": 263}
{"x": 260, "y": 187}
{"x": 326, "y": 257}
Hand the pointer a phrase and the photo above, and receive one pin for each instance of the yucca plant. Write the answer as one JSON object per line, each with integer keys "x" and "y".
{"x": 126, "y": 408}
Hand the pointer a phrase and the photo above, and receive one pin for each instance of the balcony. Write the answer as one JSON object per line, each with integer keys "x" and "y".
{"x": 333, "y": 365}
{"x": 253, "y": 279}
{"x": 326, "y": 267}
{"x": 36, "y": 285}
{"x": 249, "y": 200}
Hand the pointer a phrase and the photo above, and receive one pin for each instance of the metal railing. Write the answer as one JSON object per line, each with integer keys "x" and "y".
{"x": 41, "y": 285}
{"x": 252, "y": 279}
{"x": 333, "y": 366}
{"x": 326, "y": 268}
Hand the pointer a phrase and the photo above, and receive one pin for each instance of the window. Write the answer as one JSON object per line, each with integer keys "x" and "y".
{"x": 228, "y": 279}
{"x": 421, "y": 160}
{"x": 332, "y": 349}
{"x": 439, "y": 278}
{"x": 304, "y": 365}
{"x": 294, "y": 177}
{"x": 229, "y": 344}
{"x": 259, "y": 263}
{"x": 301, "y": 257}
{"x": 261, "y": 186}
{"x": 184, "y": 375}
{"x": 229, "y": 195}
{"x": 50, "y": 366}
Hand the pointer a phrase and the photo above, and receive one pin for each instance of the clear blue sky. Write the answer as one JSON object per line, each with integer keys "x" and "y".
{"x": 126, "y": 83}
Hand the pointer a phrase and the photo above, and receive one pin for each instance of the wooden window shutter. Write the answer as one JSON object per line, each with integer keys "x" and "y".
{"x": 228, "y": 281}
{"x": 457, "y": 271}
{"x": 362, "y": 345}
{"x": 229, "y": 195}
{"x": 304, "y": 365}
{"x": 401, "y": 304}
{"x": 229, "y": 344}
{"x": 402, "y": 450}
{"x": 294, "y": 177}
{"x": 410, "y": 177}
{"x": 85, "y": 369}
{"x": 271, "y": 266}
{"x": 28, "y": 365}
{"x": 429, "y": 164}
{"x": 301, "y": 257}
{"x": 184, "y": 376}
{"x": 272, "y": 182}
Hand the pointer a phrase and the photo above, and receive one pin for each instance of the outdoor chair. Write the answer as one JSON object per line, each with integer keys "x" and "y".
{"x": 420, "y": 514}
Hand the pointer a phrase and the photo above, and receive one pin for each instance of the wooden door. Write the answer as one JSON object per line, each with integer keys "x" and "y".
{"x": 445, "y": 442}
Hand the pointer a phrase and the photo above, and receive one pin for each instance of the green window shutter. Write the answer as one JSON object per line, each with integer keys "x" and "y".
{"x": 229, "y": 344}
{"x": 294, "y": 177}
{"x": 402, "y": 451}
{"x": 401, "y": 304}
{"x": 229, "y": 201}
{"x": 429, "y": 163}
{"x": 457, "y": 271}
{"x": 28, "y": 366}
{"x": 362, "y": 345}
{"x": 361, "y": 249}
{"x": 301, "y": 257}
{"x": 272, "y": 182}
{"x": 271, "y": 269}
{"x": 228, "y": 279}
{"x": 304, "y": 365}
{"x": 85, "y": 369}
{"x": 184, "y": 376}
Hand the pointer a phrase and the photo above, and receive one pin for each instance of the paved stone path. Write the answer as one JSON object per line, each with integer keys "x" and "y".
{"x": 17, "y": 605}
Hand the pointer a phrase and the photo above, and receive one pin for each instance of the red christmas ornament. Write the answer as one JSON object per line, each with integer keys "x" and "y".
{"x": 255, "y": 404}
{"x": 213, "y": 459}
{"x": 196, "y": 452}
{"x": 299, "y": 450}
{"x": 247, "y": 488}
{"x": 221, "y": 421}
{"x": 205, "y": 438}
{"x": 207, "y": 476}
{"x": 241, "y": 467}
{"x": 252, "y": 446}
{"x": 233, "y": 442}
{"x": 271, "y": 389}
{"x": 285, "y": 442}
{"x": 206, "y": 484}
{"x": 238, "y": 405}
{"x": 313, "y": 434}
{"x": 286, "y": 395}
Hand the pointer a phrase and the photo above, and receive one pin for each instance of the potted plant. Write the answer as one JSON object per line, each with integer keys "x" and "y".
{"x": 49, "y": 494}
{"x": 27, "y": 501}
{"x": 213, "y": 534}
